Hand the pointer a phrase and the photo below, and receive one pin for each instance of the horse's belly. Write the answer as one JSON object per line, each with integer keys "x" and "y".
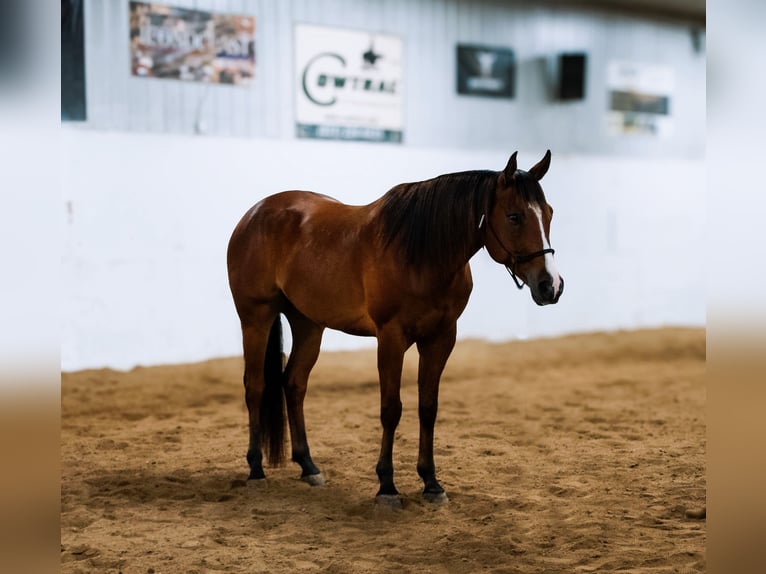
{"x": 338, "y": 318}
{"x": 331, "y": 305}
{"x": 363, "y": 328}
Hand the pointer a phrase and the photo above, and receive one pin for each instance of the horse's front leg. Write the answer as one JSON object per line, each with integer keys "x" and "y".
{"x": 434, "y": 353}
{"x": 391, "y": 348}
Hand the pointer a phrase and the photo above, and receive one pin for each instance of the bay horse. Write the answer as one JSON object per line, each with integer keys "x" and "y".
{"x": 396, "y": 269}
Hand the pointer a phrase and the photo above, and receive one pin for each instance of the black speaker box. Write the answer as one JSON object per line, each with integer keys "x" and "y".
{"x": 572, "y": 76}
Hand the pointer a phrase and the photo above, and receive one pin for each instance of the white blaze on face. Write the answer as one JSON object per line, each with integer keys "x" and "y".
{"x": 550, "y": 265}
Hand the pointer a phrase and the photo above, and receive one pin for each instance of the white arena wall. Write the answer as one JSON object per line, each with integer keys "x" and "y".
{"x": 147, "y": 218}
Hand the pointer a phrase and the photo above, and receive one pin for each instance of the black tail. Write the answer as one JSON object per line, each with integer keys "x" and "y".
{"x": 272, "y": 415}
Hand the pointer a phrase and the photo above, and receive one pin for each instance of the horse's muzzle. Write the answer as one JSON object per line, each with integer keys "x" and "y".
{"x": 545, "y": 294}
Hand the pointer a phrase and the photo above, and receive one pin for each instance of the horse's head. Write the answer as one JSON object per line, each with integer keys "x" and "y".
{"x": 517, "y": 231}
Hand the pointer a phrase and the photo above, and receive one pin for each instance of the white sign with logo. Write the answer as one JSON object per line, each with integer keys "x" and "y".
{"x": 348, "y": 84}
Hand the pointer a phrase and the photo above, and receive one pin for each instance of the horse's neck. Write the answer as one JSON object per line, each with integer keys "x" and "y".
{"x": 459, "y": 253}
{"x": 457, "y": 269}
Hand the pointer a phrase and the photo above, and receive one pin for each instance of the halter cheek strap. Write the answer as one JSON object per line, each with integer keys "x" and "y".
{"x": 515, "y": 259}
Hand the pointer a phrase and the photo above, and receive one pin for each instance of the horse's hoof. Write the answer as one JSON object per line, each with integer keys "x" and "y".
{"x": 256, "y": 483}
{"x": 435, "y": 497}
{"x": 393, "y": 501}
{"x": 314, "y": 479}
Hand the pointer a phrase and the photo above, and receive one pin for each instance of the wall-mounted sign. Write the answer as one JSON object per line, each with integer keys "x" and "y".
{"x": 170, "y": 42}
{"x": 348, "y": 84}
{"x": 486, "y": 71}
{"x": 639, "y": 98}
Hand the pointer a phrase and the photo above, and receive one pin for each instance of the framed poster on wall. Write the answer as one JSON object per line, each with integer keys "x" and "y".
{"x": 486, "y": 71}
{"x": 181, "y": 44}
{"x": 639, "y": 98}
{"x": 348, "y": 84}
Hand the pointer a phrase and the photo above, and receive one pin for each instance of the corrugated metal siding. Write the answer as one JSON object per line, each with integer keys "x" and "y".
{"x": 435, "y": 116}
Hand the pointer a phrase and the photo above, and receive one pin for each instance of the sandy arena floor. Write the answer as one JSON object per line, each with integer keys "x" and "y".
{"x": 578, "y": 454}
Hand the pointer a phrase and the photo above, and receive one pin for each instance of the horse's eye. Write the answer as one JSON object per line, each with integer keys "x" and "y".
{"x": 514, "y": 218}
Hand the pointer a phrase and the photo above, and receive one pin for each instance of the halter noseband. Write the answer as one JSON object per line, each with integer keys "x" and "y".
{"x": 515, "y": 259}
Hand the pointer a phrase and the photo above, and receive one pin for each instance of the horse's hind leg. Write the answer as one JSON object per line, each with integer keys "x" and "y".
{"x": 307, "y": 338}
{"x": 257, "y": 328}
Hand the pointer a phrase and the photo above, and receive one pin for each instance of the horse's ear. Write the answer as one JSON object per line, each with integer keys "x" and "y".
{"x": 541, "y": 167}
{"x": 510, "y": 169}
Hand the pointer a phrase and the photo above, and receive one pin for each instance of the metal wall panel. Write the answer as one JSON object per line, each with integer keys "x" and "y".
{"x": 435, "y": 116}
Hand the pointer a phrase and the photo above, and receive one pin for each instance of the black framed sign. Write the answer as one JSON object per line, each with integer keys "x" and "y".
{"x": 73, "y": 101}
{"x": 486, "y": 71}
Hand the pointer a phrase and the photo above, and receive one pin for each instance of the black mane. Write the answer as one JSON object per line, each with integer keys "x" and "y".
{"x": 431, "y": 221}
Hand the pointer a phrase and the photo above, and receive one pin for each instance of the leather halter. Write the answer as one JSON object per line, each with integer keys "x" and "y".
{"x": 515, "y": 259}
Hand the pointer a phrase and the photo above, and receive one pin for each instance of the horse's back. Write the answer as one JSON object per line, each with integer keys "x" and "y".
{"x": 275, "y": 216}
{"x": 279, "y": 208}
